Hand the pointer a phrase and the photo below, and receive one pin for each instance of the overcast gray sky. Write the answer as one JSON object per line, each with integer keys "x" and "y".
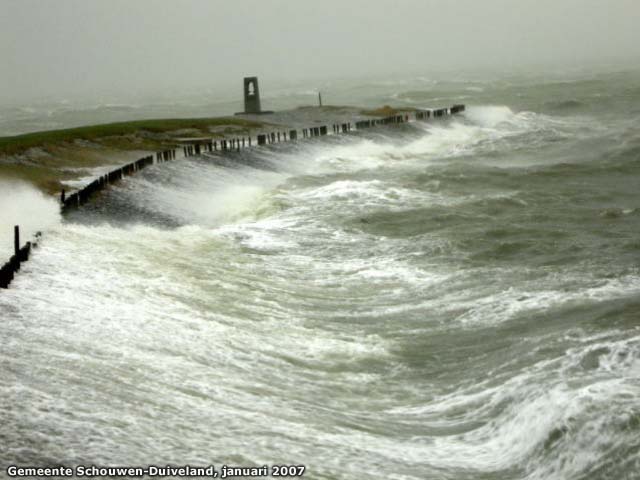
{"x": 64, "y": 47}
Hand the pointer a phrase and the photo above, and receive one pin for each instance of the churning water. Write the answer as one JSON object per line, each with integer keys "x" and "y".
{"x": 450, "y": 300}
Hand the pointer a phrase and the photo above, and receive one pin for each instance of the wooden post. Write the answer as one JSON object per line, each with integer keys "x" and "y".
{"x": 319, "y": 98}
{"x": 62, "y": 196}
{"x": 16, "y": 240}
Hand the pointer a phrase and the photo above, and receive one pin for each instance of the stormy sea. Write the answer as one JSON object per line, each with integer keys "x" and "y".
{"x": 452, "y": 299}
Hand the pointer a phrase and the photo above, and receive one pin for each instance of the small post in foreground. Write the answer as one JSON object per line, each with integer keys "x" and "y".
{"x": 16, "y": 239}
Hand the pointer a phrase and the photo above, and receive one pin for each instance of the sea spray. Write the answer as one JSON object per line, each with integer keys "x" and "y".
{"x": 23, "y": 205}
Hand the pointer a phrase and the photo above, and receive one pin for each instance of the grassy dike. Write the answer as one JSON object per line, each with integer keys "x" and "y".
{"x": 47, "y": 159}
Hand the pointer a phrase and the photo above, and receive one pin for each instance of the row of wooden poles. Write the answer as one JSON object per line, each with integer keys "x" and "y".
{"x": 21, "y": 254}
{"x": 83, "y": 195}
{"x": 236, "y": 144}
{"x": 8, "y": 271}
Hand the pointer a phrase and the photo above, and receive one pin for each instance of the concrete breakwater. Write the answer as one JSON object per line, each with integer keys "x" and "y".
{"x": 79, "y": 197}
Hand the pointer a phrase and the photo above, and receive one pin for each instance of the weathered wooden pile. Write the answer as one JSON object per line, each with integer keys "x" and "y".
{"x": 21, "y": 254}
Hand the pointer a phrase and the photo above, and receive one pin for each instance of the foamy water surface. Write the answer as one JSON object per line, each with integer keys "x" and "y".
{"x": 448, "y": 300}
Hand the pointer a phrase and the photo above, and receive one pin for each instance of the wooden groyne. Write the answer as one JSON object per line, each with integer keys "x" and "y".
{"x": 21, "y": 255}
{"x": 82, "y": 196}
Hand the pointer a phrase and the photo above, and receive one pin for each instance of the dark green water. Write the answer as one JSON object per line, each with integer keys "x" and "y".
{"x": 455, "y": 300}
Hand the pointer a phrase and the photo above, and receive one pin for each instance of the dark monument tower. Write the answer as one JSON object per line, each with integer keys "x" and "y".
{"x": 252, "y": 98}
{"x": 251, "y": 95}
